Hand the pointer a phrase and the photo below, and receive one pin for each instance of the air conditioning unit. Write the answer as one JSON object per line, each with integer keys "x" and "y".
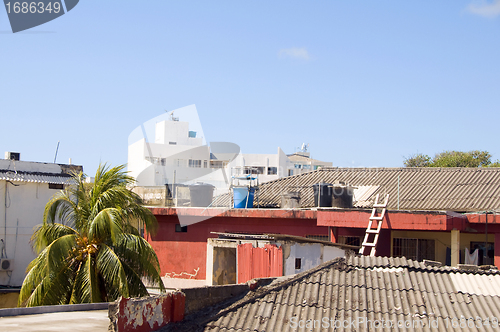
{"x": 6, "y": 264}
{"x": 12, "y": 155}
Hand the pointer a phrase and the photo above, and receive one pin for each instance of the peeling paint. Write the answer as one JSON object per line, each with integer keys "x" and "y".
{"x": 149, "y": 313}
{"x": 179, "y": 275}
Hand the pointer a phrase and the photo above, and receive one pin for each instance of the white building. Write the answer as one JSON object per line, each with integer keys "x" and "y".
{"x": 25, "y": 188}
{"x": 178, "y": 155}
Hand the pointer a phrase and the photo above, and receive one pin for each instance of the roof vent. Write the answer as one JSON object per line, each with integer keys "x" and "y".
{"x": 468, "y": 267}
{"x": 12, "y": 155}
{"x": 432, "y": 263}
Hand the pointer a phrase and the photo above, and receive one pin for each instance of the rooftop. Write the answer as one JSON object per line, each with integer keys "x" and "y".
{"x": 410, "y": 188}
{"x": 358, "y": 289}
{"x": 36, "y": 172}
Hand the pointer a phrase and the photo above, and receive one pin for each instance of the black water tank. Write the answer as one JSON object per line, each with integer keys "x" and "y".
{"x": 322, "y": 194}
{"x": 342, "y": 196}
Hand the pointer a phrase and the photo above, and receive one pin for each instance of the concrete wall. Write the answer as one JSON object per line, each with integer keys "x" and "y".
{"x": 151, "y": 313}
{"x": 21, "y": 209}
{"x": 147, "y": 313}
{"x": 184, "y": 255}
{"x": 199, "y": 298}
{"x": 310, "y": 254}
{"x": 8, "y": 299}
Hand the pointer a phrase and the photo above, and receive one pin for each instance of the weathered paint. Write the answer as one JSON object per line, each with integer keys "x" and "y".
{"x": 224, "y": 268}
{"x": 401, "y": 220}
{"x": 179, "y": 253}
{"x": 185, "y": 252}
{"x": 259, "y": 262}
{"x": 150, "y": 313}
{"x": 497, "y": 249}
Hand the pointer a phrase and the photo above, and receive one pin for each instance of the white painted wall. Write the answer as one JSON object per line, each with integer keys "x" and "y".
{"x": 311, "y": 254}
{"x": 175, "y": 131}
{"x": 21, "y": 209}
{"x": 330, "y": 253}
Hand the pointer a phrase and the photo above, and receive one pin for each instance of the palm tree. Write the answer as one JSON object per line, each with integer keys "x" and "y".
{"x": 88, "y": 249}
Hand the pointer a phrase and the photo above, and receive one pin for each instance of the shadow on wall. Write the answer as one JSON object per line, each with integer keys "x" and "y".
{"x": 8, "y": 299}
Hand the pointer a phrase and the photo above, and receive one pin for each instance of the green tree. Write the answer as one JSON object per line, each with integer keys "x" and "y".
{"x": 474, "y": 158}
{"x": 462, "y": 159}
{"x": 88, "y": 249}
{"x": 418, "y": 160}
{"x": 495, "y": 164}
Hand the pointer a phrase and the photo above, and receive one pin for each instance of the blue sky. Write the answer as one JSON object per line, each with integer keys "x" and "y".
{"x": 365, "y": 83}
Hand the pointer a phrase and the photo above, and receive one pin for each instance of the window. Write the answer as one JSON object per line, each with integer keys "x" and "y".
{"x": 172, "y": 143}
{"x": 253, "y": 170}
{"x": 218, "y": 164}
{"x": 290, "y": 172}
{"x": 483, "y": 259}
{"x": 56, "y": 186}
{"x": 205, "y": 164}
{"x": 181, "y": 229}
{"x": 180, "y": 162}
{"x": 298, "y": 166}
{"x": 306, "y": 166}
{"x": 298, "y": 263}
{"x": 350, "y": 240}
{"x": 272, "y": 170}
{"x": 194, "y": 163}
{"x": 318, "y": 237}
{"x": 416, "y": 249}
{"x": 156, "y": 160}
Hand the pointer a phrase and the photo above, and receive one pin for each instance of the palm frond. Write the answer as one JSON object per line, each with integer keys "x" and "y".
{"x": 48, "y": 278}
{"x": 86, "y": 286}
{"x": 138, "y": 254}
{"x": 106, "y": 226}
{"x": 112, "y": 270}
{"x": 46, "y": 233}
{"x": 89, "y": 250}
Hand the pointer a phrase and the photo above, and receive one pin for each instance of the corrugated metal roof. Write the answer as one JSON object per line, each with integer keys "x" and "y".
{"x": 429, "y": 188}
{"x": 35, "y": 177}
{"x": 357, "y": 290}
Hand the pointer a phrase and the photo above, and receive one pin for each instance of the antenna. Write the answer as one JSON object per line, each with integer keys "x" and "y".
{"x": 57, "y": 149}
{"x": 172, "y": 117}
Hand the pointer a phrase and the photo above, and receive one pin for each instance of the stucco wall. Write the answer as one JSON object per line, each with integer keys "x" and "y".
{"x": 184, "y": 255}
{"x": 21, "y": 209}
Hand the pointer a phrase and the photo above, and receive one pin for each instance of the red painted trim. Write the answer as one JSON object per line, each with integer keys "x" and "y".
{"x": 397, "y": 220}
{"x": 236, "y": 213}
{"x": 493, "y": 219}
{"x": 496, "y": 249}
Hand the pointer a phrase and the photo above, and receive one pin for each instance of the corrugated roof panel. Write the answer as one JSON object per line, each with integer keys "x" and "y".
{"x": 35, "y": 178}
{"x": 458, "y": 189}
{"x": 476, "y": 284}
{"x": 363, "y": 288}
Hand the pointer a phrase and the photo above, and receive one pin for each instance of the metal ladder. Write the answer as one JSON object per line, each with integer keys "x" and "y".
{"x": 376, "y": 231}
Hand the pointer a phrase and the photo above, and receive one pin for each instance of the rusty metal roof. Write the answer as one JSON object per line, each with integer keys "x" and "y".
{"x": 420, "y": 188}
{"x": 360, "y": 289}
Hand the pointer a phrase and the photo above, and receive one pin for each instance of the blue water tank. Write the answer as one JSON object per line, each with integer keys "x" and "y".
{"x": 240, "y": 197}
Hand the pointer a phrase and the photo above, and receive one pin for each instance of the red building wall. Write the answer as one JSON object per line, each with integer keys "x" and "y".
{"x": 183, "y": 255}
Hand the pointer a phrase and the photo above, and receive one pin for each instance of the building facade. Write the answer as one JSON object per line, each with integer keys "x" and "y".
{"x": 25, "y": 189}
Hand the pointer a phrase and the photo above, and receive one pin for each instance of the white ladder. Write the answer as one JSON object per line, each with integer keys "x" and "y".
{"x": 376, "y": 231}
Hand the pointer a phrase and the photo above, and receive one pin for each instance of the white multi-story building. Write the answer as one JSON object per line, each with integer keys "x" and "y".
{"x": 179, "y": 155}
